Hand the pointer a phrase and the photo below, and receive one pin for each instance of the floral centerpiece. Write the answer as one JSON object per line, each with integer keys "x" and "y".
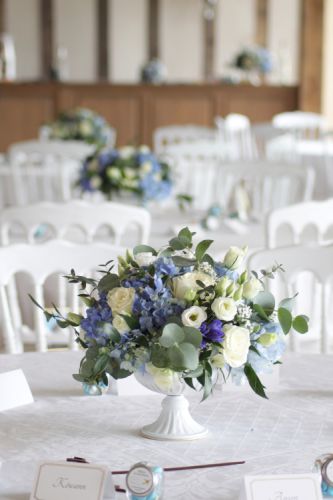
{"x": 127, "y": 170}
{"x": 254, "y": 60}
{"x": 177, "y": 314}
{"x": 80, "y": 124}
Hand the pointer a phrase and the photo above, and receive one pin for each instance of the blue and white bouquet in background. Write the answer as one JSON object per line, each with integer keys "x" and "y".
{"x": 178, "y": 315}
{"x": 80, "y": 124}
{"x": 255, "y": 58}
{"x": 127, "y": 170}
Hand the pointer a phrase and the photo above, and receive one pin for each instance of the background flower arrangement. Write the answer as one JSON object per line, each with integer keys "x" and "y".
{"x": 127, "y": 169}
{"x": 177, "y": 314}
{"x": 80, "y": 124}
{"x": 254, "y": 58}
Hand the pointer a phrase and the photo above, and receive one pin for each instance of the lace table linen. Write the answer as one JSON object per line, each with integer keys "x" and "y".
{"x": 279, "y": 436}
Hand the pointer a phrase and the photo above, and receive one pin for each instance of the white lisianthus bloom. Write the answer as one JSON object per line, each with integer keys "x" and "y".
{"x": 86, "y": 128}
{"x": 146, "y": 167}
{"x": 218, "y": 361}
{"x": 143, "y": 149}
{"x": 194, "y": 316}
{"x": 252, "y": 288}
{"x": 163, "y": 377}
{"x": 120, "y": 324}
{"x": 120, "y": 299}
{"x": 234, "y": 257}
{"x": 181, "y": 284}
{"x": 126, "y": 152}
{"x": 95, "y": 182}
{"x": 236, "y": 345}
{"x": 157, "y": 177}
{"x": 224, "y": 308}
{"x": 145, "y": 258}
{"x": 113, "y": 173}
{"x": 130, "y": 173}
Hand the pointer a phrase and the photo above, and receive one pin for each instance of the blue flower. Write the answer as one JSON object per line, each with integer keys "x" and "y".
{"x": 213, "y": 332}
{"x": 224, "y": 271}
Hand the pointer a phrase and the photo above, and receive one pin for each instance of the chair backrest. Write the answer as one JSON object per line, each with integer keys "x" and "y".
{"x": 273, "y": 144}
{"x": 220, "y": 123}
{"x": 87, "y": 216}
{"x": 268, "y": 185}
{"x": 239, "y": 137}
{"x": 165, "y": 136}
{"x": 199, "y": 149}
{"x": 295, "y": 259}
{"x": 303, "y": 124}
{"x": 40, "y": 151}
{"x": 40, "y": 262}
{"x": 52, "y": 180}
{"x": 298, "y": 217}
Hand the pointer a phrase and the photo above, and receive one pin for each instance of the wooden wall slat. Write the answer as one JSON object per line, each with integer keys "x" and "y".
{"x": 102, "y": 42}
{"x": 311, "y": 58}
{"x": 153, "y": 29}
{"x": 46, "y": 18}
{"x": 261, "y": 19}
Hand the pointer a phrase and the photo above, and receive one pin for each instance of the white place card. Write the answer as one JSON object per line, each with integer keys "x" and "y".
{"x": 72, "y": 481}
{"x": 281, "y": 487}
{"x": 14, "y": 390}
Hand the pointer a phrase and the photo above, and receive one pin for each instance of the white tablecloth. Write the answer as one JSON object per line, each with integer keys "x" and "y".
{"x": 282, "y": 435}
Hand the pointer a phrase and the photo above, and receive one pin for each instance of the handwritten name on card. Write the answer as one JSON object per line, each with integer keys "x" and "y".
{"x": 72, "y": 481}
{"x": 286, "y": 487}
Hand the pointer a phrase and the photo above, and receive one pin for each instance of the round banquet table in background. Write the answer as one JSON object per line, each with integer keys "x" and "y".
{"x": 281, "y": 435}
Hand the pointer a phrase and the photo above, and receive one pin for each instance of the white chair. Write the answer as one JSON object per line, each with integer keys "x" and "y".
{"x": 303, "y": 124}
{"x": 165, "y": 136}
{"x": 239, "y": 137}
{"x": 220, "y": 123}
{"x": 89, "y": 217}
{"x": 316, "y": 213}
{"x": 40, "y": 262}
{"x": 274, "y": 144}
{"x": 205, "y": 149}
{"x": 41, "y": 151}
{"x": 295, "y": 260}
{"x": 45, "y": 132}
{"x": 268, "y": 185}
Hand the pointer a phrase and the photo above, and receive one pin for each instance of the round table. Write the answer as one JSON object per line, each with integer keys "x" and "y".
{"x": 282, "y": 435}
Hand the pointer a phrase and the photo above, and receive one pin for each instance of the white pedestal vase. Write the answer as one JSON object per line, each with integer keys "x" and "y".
{"x": 175, "y": 422}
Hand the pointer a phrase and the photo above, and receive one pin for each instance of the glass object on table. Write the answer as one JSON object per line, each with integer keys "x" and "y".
{"x": 145, "y": 481}
{"x": 93, "y": 390}
{"x": 323, "y": 466}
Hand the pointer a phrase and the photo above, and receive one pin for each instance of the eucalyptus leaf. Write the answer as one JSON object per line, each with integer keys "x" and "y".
{"x": 142, "y": 340}
{"x": 186, "y": 232}
{"x": 87, "y": 368}
{"x": 193, "y": 336}
{"x": 261, "y": 313}
{"x": 110, "y": 330}
{"x": 179, "y": 242}
{"x": 300, "y": 324}
{"x": 168, "y": 252}
{"x": 92, "y": 352}
{"x": 78, "y": 377}
{"x": 159, "y": 356}
{"x": 207, "y": 258}
{"x": 266, "y": 300}
{"x": 287, "y": 304}
{"x": 201, "y": 249}
{"x": 108, "y": 282}
{"x": 180, "y": 261}
{"x": 195, "y": 373}
{"x": 101, "y": 363}
{"x": 144, "y": 248}
{"x": 285, "y": 319}
{"x": 185, "y": 355}
{"x": 254, "y": 381}
{"x": 172, "y": 334}
{"x": 174, "y": 319}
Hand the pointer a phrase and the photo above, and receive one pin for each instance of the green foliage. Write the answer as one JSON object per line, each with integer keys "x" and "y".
{"x": 261, "y": 313}
{"x": 266, "y": 300}
{"x": 300, "y": 324}
{"x": 254, "y": 381}
{"x": 184, "y": 355}
{"x": 110, "y": 330}
{"x": 202, "y": 248}
{"x": 143, "y": 248}
{"x": 172, "y": 335}
{"x": 285, "y": 319}
{"x": 180, "y": 261}
{"x": 132, "y": 322}
{"x": 108, "y": 282}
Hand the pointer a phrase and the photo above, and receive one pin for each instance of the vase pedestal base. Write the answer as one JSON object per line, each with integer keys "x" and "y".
{"x": 174, "y": 423}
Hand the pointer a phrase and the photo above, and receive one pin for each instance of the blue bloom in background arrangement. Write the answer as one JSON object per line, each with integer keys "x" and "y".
{"x": 127, "y": 169}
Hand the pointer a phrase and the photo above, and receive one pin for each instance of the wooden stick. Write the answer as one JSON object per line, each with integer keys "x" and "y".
{"x": 173, "y": 469}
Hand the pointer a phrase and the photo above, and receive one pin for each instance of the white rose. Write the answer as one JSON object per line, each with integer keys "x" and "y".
{"x": 236, "y": 345}
{"x": 224, "y": 308}
{"x": 144, "y": 149}
{"x": 163, "y": 377}
{"x": 194, "y": 316}
{"x": 252, "y": 288}
{"x": 145, "y": 258}
{"x": 86, "y": 128}
{"x": 234, "y": 257}
{"x": 146, "y": 167}
{"x": 113, "y": 172}
{"x": 181, "y": 284}
{"x": 126, "y": 152}
{"x": 95, "y": 182}
{"x": 120, "y": 324}
{"x": 120, "y": 299}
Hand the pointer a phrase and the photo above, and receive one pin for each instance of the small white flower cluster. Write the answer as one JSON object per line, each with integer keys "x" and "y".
{"x": 273, "y": 318}
{"x": 244, "y": 314}
{"x": 206, "y": 268}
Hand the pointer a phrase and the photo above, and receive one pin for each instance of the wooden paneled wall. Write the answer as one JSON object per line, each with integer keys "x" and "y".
{"x": 135, "y": 110}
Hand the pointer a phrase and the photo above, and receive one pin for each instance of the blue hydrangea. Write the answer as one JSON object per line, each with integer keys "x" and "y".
{"x": 274, "y": 351}
{"x": 100, "y": 312}
{"x": 224, "y": 271}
